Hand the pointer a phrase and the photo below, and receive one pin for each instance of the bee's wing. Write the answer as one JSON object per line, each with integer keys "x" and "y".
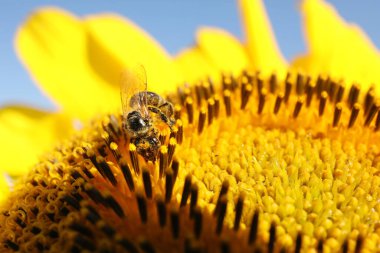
{"x": 133, "y": 91}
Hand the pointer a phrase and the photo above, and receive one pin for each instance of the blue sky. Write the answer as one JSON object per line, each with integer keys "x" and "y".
{"x": 173, "y": 23}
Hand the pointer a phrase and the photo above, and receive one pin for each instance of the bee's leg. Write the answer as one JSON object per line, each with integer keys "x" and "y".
{"x": 162, "y": 115}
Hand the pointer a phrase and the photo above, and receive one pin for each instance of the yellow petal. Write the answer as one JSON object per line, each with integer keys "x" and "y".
{"x": 26, "y": 134}
{"x": 336, "y": 48}
{"x": 195, "y": 66}
{"x": 261, "y": 44}
{"x": 223, "y": 50}
{"x": 4, "y": 188}
{"x": 52, "y": 45}
{"x": 115, "y": 43}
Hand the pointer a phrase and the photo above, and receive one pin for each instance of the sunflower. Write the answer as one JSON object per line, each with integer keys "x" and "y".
{"x": 263, "y": 156}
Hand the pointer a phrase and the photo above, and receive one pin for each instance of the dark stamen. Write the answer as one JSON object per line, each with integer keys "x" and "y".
{"x": 127, "y": 245}
{"x": 177, "y": 111}
{"x": 273, "y": 83}
{"x": 205, "y": 90}
{"x": 193, "y": 198}
{"x": 210, "y": 110}
{"x": 186, "y": 190}
{"x": 332, "y": 90}
{"x": 216, "y": 106}
{"x": 223, "y": 192}
{"x": 127, "y": 174}
{"x": 106, "y": 229}
{"x": 345, "y": 246}
{"x": 227, "y": 102}
{"x": 320, "y": 246}
{"x": 106, "y": 169}
{"x": 246, "y": 91}
{"x": 298, "y": 106}
{"x": 359, "y": 243}
{"x": 94, "y": 194}
{"x": 288, "y": 88}
{"x": 163, "y": 138}
{"x": 102, "y": 149}
{"x": 192, "y": 246}
{"x": 298, "y": 243}
{"x": 35, "y": 230}
{"x": 181, "y": 94}
{"x": 84, "y": 242}
{"x": 171, "y": 148}
{"x": 262, "y": 96}
{"x": 190, "y": 110}
{"x": 221, "y": 214}
{"x": 272, "y": 238}
{"x": 87, "y": 173}
{"x": 227, "y": 83}
{"x": 211, "y": 85}
{"x": 353, "y": 95}
{"x": 198, "y": 217}
{"x": 169, "y": 183}
{"x": 179, "y": 136}
{"x": 259, "y": 83}
{"x": 163, "y": 160}
{"x": 71, "y": 201}
{"x": 337, "y": 114}
{"x": 198, "y": 94}
{"x": 354, "y": 115}
{"x": 92, "y": 215}
{"x": 377, "y": 124}
{"x": 174, "y": 218}
{"x": 142, "y": 206}
{"x": 369, "y": 99}
{"x": 175, "y": 168}
{"x": 161, "y": 211}
{"x": 115, "y": 151}
{"x": 147, "y": 247}
{"x": 225, "y": 246}
{"x": 75, "y": 174}
{"x": 320, "y": 86}
{"x": 254, "y": 226}
{"x": 277, "y": 105}
{"x": 339, "y": 93}
{"x": 12, "y": 245}
{"x": 201, "y": 120}
{"x": 80, "y": 228}
{"x": 309, "y": 92}
{"x": 90, "y": 154}
{"x": 20, "y": 222}
{"x": 134, "y": 159}
{"x": 238, "y": 211}
{"x": 111, "y": 202}
{"x": 371, "y": 114}
{"x": 322, "y": 103}
{"x": 147, "y": 182}
{"x": 300, "y": 84}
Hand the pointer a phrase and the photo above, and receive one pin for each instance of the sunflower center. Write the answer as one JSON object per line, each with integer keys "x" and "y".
{"x": 304, "y": 162}
{"x": 326, "y": 188}
{"x": 252, "y": 165}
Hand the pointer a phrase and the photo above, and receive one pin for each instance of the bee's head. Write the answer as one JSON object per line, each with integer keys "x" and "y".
{"x": 136, "y": 124}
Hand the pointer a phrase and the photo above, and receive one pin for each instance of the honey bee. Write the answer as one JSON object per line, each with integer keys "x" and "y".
{"x": 143, "y": 112}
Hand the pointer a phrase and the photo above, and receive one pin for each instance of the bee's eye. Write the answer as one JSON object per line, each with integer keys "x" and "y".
{"x": 136, "y": 122}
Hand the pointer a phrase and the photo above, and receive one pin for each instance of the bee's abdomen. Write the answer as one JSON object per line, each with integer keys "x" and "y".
{"x": 153, "y": 99}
